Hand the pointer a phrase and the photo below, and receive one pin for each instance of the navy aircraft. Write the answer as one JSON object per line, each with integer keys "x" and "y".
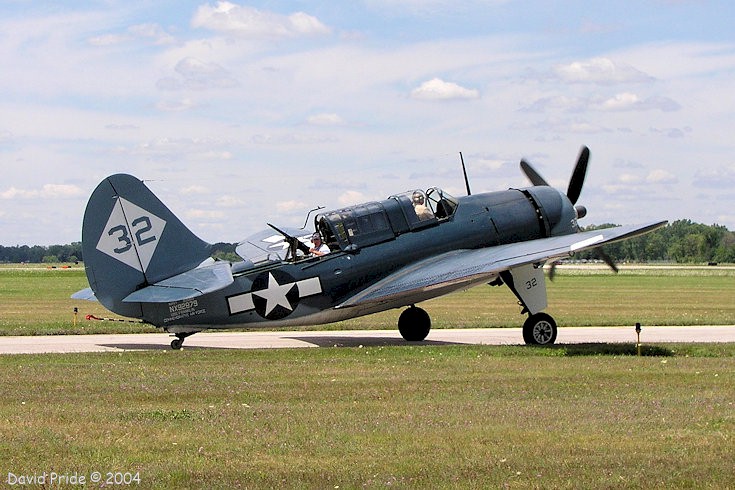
{"x": 143, "y": 262}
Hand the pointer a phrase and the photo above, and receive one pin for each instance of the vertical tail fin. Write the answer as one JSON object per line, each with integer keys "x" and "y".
{"x": 130, "y": 240}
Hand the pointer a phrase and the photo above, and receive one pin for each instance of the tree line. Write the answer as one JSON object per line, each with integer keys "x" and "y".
{"x": 681, "y": 242}
{"x": 72, "y": 253}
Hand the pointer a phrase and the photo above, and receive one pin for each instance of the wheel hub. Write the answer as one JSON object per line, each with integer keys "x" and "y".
{"x": 542, "y": 332}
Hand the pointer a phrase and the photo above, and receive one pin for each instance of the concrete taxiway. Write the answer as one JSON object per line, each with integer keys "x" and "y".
{"x": 353, "y": 338}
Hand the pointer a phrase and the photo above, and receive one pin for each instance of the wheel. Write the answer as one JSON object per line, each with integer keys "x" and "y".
{"x": 539, "y": 329}
{"x": 177, "y": 344}
{"x": 414, "y": 324}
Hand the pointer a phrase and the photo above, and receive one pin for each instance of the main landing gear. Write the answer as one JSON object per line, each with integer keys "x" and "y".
{"x": 539, "y": 329}
{"x": 414, "y": 324}
{"x": 178, "y": 342}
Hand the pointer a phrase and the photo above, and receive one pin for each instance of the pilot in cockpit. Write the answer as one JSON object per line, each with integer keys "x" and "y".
{"x": 319, "y": 247}
{"x": 419, "y": 207}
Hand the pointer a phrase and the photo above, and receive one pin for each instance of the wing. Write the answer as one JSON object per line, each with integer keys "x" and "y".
{"x": 467, "y": 267}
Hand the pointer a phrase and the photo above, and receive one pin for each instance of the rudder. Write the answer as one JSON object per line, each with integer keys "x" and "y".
{"x": 130, "y": 240}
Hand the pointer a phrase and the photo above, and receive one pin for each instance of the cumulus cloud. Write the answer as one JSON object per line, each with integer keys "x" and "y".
{"x": 288, "y": 206}
{"x": 178, "y": 105}
{"x": 560, "y": 125}
{"x": 325, "y": 120}
{"x": 228, "y": 201}
{"x": 721, "y": 177}
{"x": 289, "y": 139}
{"x": 195, "y": 74}
{"x": 438, "y": 89}
{"x": 204, "y": 214}
{"x": 631, "y": 102}
{"x": 248, "y": 22}
{"x": 660, "y": 176}
{"x": 152, "y": 33}
{"x": 194, "y": 190}
{"x": 600, "y": 71}
{"x": 489, "y": 163}
{"x": 622, "y": 102}
{"x": 674, "y": 133}
{"x": 48, "y": 191}
{"x": 629, "y": 178}
{"x": 351, "y": 197}
{"x": 558, "y": 102}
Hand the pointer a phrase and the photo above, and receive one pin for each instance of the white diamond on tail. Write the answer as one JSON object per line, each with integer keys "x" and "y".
{"x": 131, "y": 235}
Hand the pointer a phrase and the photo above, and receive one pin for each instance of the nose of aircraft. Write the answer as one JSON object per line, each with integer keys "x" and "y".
{"x": 556, "y": 208}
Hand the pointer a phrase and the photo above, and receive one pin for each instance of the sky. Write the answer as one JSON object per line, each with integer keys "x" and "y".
{"x": 241, "y": 113}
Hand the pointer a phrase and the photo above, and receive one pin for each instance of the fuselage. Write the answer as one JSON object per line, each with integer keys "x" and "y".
{"x": 368, "y": 242}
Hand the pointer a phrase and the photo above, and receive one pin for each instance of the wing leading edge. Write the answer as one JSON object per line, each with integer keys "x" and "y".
{"x": 466, "y": 267}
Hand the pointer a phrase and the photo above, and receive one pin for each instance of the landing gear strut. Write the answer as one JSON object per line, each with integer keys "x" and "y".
{"x": 178, "y": 342}
{"x": 414, "y": 324}
{"x": 539, "y": 329}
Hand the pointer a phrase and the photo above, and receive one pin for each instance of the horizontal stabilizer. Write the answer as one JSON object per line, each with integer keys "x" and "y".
{"x": 187, "y": 285}
{"x": 86, "y": 294}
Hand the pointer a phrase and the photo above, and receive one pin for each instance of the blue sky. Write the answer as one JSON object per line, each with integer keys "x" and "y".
{"x": 242, "y": 113}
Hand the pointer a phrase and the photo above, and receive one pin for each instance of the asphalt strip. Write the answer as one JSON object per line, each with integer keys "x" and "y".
{"x": 354, "y": 338}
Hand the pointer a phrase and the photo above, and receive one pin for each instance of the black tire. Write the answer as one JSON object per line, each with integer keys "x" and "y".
{"x": 539, "y": 329}
{"x": 177, "y": 344}
{"x": 414, "y": 324}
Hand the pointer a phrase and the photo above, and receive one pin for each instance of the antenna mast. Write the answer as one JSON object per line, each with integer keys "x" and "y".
{"x": 464, "y": 171}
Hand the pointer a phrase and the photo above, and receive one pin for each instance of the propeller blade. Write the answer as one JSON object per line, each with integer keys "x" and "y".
{"x": 607, "y": 259}
{"x": 577, "y": 180}
{"x": 552, "y": 270}
{"x": 532, "y": 175}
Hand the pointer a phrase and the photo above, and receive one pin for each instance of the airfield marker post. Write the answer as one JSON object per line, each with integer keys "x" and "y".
{"x": 76, "y": 312}
{"x": 638, "y": 333}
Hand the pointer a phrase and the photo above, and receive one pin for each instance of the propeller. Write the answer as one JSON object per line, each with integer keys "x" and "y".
{"x": 580, "y": 172}
{"x": 576, "y": 182}
{"x": 532, "y": 175}
{"x": 607, "y": 259}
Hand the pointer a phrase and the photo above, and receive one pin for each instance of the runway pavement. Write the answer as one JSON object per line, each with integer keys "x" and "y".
{"x": 353, "y": 338}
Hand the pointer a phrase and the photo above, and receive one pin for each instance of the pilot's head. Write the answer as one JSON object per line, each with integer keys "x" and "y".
{"x": 316, "y": 238}
{"x": 418, "y": 198}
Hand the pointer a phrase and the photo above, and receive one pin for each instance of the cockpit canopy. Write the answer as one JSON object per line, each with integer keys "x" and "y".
{"x": 362, "y": 225}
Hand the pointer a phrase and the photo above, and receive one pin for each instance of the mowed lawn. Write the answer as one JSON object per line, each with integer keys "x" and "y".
{"x": 37, "y": 300}
{"x": 414, "y": 416}
{"x": 395, "y": 417}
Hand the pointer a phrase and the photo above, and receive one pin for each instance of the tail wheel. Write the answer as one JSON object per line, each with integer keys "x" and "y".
{"x": 178, "y": 342}
{"x": 539, "y": 329}
{"x": 414, "y": 324}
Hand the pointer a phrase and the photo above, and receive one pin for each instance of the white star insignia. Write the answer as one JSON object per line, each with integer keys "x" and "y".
{"x": 275, "y": 294}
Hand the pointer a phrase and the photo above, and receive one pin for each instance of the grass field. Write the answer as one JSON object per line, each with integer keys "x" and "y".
{"x": 399, "y": 417}
{"x": 405, "y": 417}
{"x": 37, "y": 301}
